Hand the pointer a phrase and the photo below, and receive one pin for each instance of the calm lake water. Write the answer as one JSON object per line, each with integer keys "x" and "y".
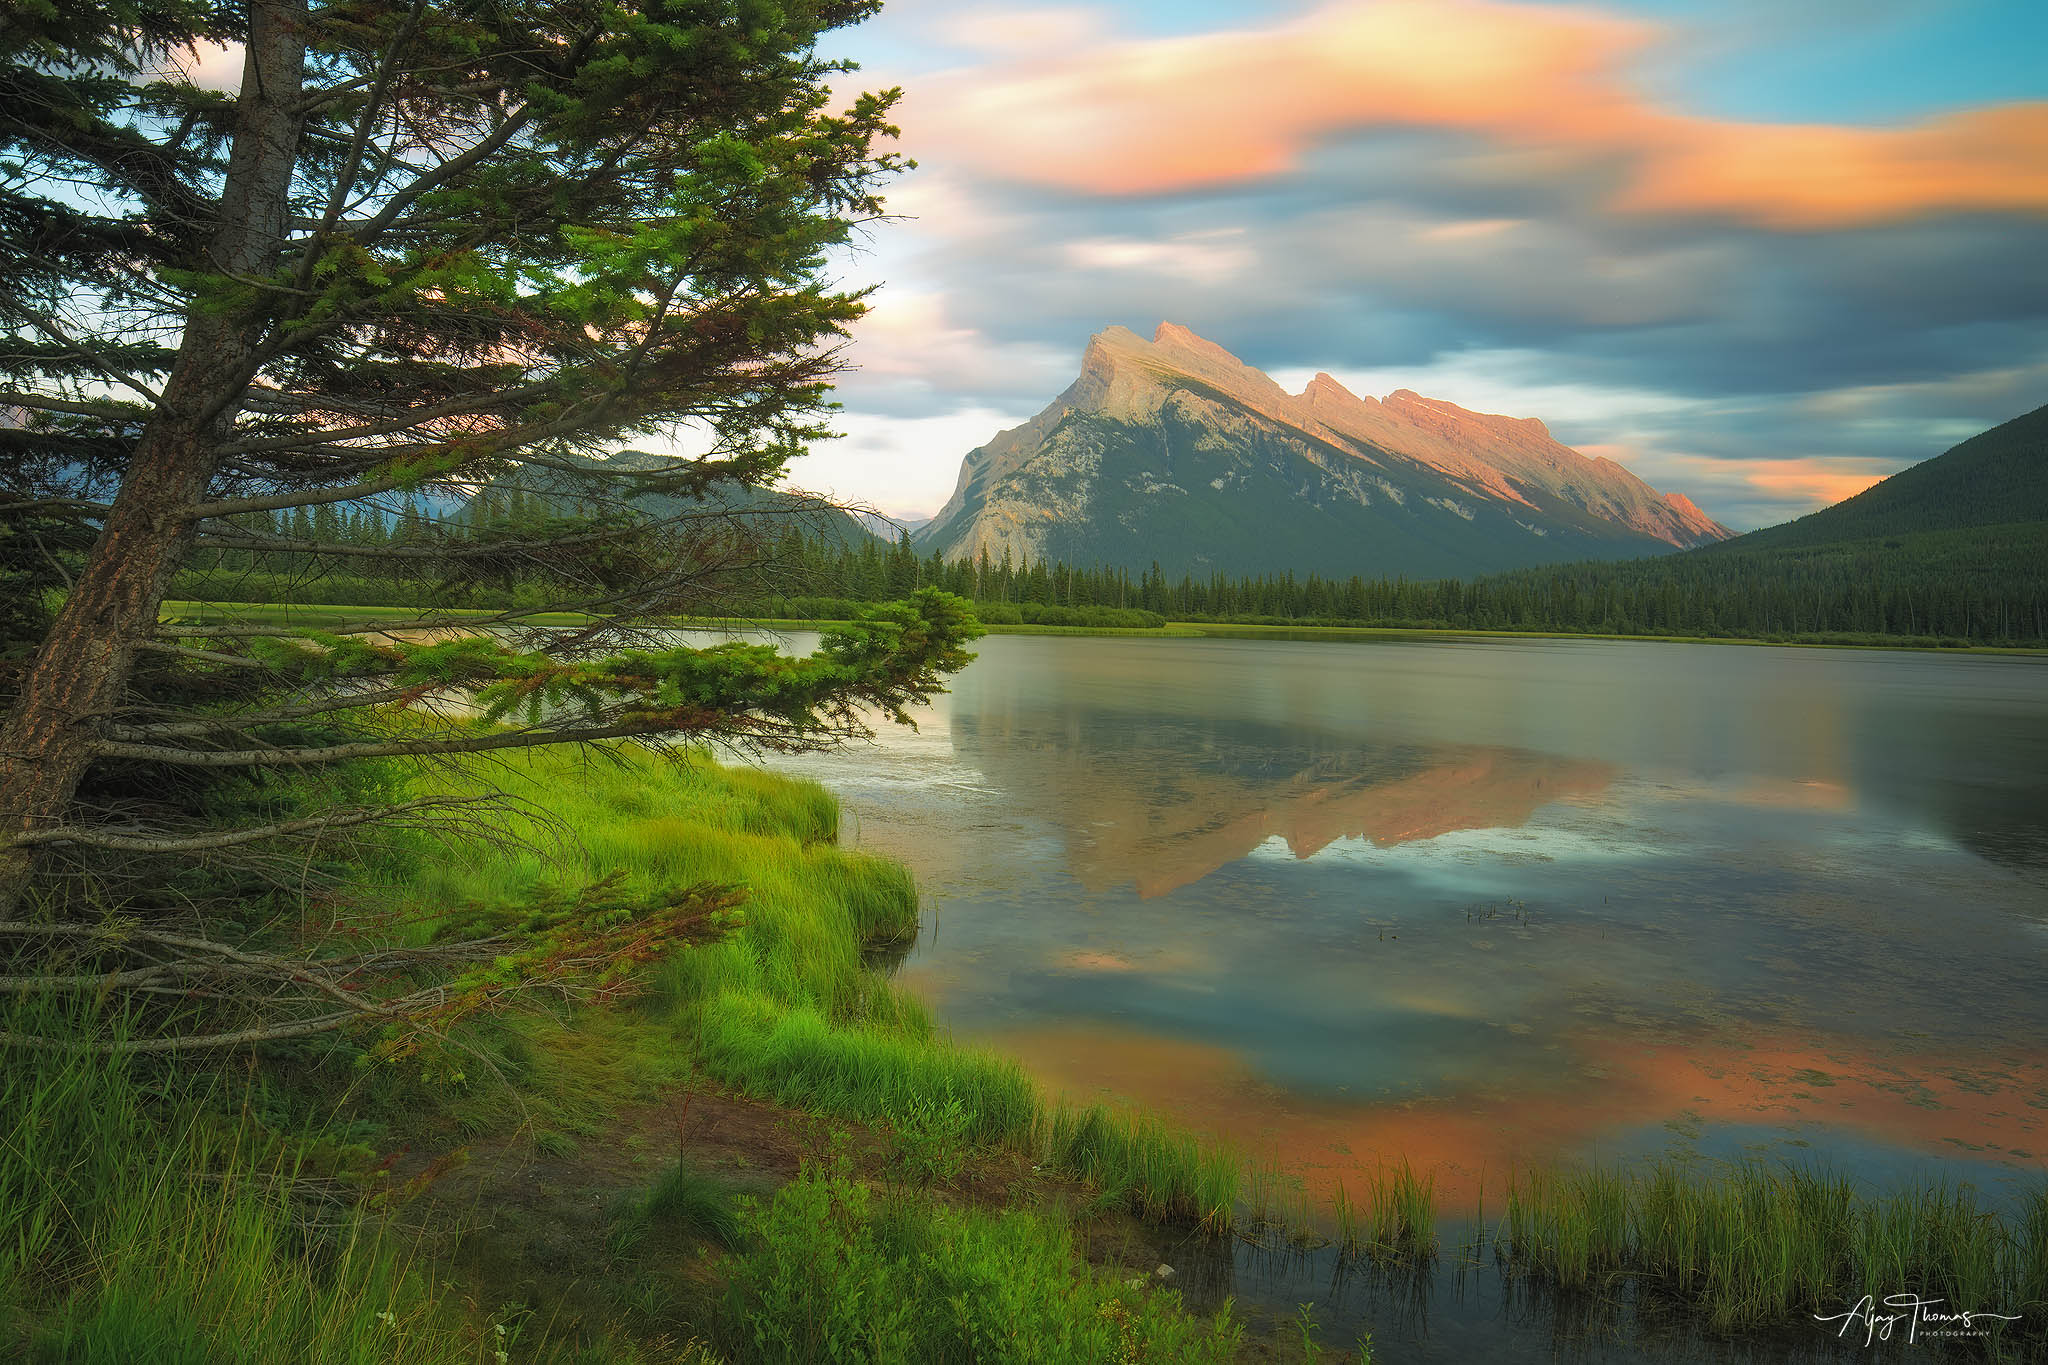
{"x": 1480, "y": 903}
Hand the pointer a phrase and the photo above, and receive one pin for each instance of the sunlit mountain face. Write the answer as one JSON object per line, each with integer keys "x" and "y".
{"x": 1173, "y": 451}
{"x": 1762, "y": 254}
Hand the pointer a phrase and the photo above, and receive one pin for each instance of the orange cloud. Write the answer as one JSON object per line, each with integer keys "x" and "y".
{"x": 1146, "y": 116}
{"x": 1818, "y": 177}
{"x": 211, "y": 66}
{"x": 1816, "y": 480}
{"x": 1822, "y": 481}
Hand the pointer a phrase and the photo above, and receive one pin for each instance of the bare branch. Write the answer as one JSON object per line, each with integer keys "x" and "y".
{"x": 78, "y": 507}
{"x": 286, "y": 545}
{"x": 653, "y": 724}
{"x": 211, "y": 656}
{"x": 270, "y": 1033}
{"x": 40, "y": 403}
{"x": 89, "y": 837}
{"x": 208, "y": 725}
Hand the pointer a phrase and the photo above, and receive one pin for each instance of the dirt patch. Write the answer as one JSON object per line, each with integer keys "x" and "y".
{"x": 535, "y": 1227}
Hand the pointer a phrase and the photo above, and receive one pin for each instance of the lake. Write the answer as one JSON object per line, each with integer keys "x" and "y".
{"x": 1478, "y": 903}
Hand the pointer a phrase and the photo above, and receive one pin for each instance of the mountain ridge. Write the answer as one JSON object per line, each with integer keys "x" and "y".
{"x": 1112, "y": 471}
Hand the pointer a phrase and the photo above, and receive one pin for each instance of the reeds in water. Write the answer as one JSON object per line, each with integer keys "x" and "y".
{"x": 1758, "y": 1244}
{"x": 1395, "y": 1217}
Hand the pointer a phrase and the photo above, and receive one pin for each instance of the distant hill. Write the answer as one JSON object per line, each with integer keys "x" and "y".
{"x": 770, "y": 510}
{"x": 1954, "y": 547}
{"x": 1995, "y": 478}
{"x": 1173, "y": 451}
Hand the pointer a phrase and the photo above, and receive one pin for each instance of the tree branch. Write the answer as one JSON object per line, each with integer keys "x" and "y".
{"x": 18, "y": 399}
{"x": 654, "y": 724}
{"x": 89, "y": 837}
{"x": 207, "y": 725}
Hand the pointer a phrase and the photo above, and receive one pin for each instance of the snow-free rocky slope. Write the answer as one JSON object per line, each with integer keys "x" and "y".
{"x": 1174, "y": 451}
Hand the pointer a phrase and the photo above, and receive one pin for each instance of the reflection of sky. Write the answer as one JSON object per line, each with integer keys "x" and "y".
{"x": 1471, "y": 900}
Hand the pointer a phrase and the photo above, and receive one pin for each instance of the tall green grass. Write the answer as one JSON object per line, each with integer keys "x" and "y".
{"x": 784, "y": 1006}
{"x": 1159, "y": 1170}
{"x": 839, "y": 1272}
{"x": 1758, "y": 1244}
{"x": 1395, "y": 1217}
{"x": 137, "y": 1228}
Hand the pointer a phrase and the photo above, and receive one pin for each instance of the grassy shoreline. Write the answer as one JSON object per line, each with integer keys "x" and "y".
{"x": 185, "y": 1222}
{"x": 914, "y": 1172}
{"x": 314, "y": 615}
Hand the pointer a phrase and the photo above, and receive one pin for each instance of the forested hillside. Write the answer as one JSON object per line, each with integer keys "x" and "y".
{"x": 1995, "y": 478}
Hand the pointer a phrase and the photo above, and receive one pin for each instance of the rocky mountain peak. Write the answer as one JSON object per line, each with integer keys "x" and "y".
{"x": 1324, "y": 391}
{"x": 1176, "y": 432}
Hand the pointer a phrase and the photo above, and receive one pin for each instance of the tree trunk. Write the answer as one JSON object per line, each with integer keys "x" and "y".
{"x": 79, "y": 677}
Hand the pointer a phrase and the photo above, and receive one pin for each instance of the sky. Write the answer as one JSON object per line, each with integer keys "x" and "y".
{"x": 1762, "y": 253}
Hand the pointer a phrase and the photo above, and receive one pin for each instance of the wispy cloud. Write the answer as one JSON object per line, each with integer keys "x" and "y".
{"x": 1159, "y": 115}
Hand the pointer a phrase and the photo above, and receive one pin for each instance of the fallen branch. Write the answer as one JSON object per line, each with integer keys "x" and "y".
{"x": 559, "y": 952}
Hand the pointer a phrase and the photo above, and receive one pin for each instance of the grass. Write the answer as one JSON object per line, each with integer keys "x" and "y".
{"x": 1395, "y": 1219}
{"x": 684, "y": 1200}
{"x": 132, "y": 1230}
{"x": 141, "y": 1225}
{"x": 841, "y": 1272}
{"x": 1763, "y": 1244}
{"x": 1160, "y": 1171}
{"x": 783, "y": 1006}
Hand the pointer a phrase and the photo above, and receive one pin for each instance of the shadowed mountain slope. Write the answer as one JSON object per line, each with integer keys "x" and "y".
{"x": 1996, "y": 478}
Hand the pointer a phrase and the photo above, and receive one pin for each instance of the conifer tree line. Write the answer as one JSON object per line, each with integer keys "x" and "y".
{"x": 1987, "y": 586}
{"x": 1982, "y": 586}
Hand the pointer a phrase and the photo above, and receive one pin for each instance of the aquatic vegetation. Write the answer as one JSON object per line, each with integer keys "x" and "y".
{"x": 1395, "y": 1219}
{"x": 1757, "y": 1244}
{"x": 1162, "y": 1171}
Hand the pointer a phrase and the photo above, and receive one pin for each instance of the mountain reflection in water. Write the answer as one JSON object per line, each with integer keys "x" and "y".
{"x": 1477, "y": 904}
{"x": 1159, "y": 807}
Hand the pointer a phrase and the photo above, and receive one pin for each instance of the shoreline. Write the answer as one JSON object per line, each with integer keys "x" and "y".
{"x": 311, "y": 613}
{"x": 769, "y": 1063}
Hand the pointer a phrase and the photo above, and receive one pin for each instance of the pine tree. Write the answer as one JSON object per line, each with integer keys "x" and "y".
{"x": 421, "y": 248}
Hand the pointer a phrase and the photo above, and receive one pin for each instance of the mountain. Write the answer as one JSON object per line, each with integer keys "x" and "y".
{"x": 887, "y": 527}
{"x": 1175, "y": 451}
{"x": 1996, "y": 478}
{"x": 1953, "y": 548}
